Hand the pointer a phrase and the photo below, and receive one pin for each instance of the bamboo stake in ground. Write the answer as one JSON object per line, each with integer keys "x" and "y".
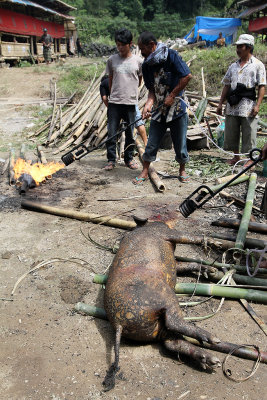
{"x": 52, "y": 125}
{"x": 151, "y": 171}
{"x": 41, "y": 155}
{"x": 12, "y": 156}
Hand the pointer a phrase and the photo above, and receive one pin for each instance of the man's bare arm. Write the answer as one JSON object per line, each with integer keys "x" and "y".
{"x": 178, "y": 88}
{"x": 261, "y": 92}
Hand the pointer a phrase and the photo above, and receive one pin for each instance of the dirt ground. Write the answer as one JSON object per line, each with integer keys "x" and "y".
{"x": 48, "y": 351}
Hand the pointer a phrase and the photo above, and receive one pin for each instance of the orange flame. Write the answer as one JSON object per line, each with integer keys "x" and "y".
{"x": 38, "y": 171}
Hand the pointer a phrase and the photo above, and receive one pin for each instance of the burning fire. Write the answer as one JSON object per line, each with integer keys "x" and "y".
{"x": 38, "y": 171}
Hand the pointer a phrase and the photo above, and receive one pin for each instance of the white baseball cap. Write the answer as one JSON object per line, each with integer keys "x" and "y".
{"x": 245, "y": 39}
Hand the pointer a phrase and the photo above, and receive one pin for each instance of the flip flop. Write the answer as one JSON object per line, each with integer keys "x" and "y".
{"x": 132, "y": 165}
{"x": 184, "y": 179}
{"x": 110, "y": 166}
{"x": 139, "y": 181}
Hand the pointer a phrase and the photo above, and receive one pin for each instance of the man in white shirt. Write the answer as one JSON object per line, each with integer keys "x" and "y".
{"x": 239, "y": 90}
{"x": 125, "y": 74}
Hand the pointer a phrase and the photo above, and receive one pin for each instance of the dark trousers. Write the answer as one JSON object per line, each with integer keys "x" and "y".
{"x": 117, "y": 112}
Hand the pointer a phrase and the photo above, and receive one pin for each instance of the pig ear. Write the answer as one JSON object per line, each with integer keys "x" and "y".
{"x": 140, "y": 221}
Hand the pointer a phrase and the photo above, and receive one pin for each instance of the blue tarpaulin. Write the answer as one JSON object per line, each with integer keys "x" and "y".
{"x": 209, "y": 28}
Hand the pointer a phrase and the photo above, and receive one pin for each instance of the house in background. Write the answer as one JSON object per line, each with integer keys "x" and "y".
{"x": 21, "y": 27}
{"x": 256, "y": 12}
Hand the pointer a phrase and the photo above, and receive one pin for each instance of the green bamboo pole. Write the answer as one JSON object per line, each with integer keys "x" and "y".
{"x": 239, "y": 268}
{"x": 99, "y": 278}
{"x": 203, "y": 289}
{"x": 91, "y": 310}
{"x": 243, "y": 228}
{"x": 216, "y": 276}
{"x": 241, "y": 179}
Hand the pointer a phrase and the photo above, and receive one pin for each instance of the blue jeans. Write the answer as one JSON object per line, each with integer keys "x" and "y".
{"x": 178, "y": 128}
{"x": 116, "y": 112}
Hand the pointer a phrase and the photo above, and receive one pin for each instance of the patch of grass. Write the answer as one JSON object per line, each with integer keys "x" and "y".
{"x": 78, "y": 78}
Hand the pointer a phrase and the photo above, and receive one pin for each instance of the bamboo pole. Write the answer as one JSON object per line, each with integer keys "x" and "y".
{"x": 250, "y": 243}
{"x": 12, "y": 156}
{"x": 238, "y": 201}
{"x": 258, "y": 227}
{"x": 151, "y": 171}
{"x": 94, "y": 218}
{"x": 243, "y": 228}
{"x": 239, "y": 268}
{"x": 241, "y": 179}
{"x": 41, "y": 155}
{"x": 53, "y": 114}
{"x": 216, "y": 276}
{"x": 204, "y": 289}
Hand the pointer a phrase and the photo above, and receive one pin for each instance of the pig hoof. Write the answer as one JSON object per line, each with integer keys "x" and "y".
{"x": 209, "y": 362}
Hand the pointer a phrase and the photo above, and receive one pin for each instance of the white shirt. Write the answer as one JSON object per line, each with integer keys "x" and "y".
{"x": 252, "y": 74}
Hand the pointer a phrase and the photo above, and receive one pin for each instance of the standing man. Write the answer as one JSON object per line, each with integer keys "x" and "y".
{"x": 125, "y": 74}
{"x": 165, "y": 75}
{"x": 139, "y": 125}
{"x": 242, "y": 108}
{"x": 47, "y": 41}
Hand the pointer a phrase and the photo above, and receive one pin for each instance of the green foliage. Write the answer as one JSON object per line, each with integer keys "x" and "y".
{"x": 90, "y": 27}
{"x": 78, "y": 78}
{"x": 165, "y": 18}
{"x": 169, "y": 26}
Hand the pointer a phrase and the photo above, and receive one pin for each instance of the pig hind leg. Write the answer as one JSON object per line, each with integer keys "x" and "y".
{"x": 202, "y": 357}
{"x": 176, "y": 327}
{"x": 109, "y": 381}
{"x": 176, "y": 324}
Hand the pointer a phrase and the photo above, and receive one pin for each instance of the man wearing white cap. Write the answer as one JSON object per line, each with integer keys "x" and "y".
{"x": 242, "y": 107}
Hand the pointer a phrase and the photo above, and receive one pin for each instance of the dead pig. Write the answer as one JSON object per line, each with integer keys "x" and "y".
{"x": 140, "y": 301}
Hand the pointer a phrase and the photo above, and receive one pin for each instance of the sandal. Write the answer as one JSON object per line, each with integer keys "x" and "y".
{"x": 139, "y": 181}
{"x": 132, "y": 165}
{"x": 110, "y": 166}
{"x": 184, "y": 178}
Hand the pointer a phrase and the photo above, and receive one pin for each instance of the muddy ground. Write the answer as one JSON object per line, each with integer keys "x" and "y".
{"x": 47, "y": 351}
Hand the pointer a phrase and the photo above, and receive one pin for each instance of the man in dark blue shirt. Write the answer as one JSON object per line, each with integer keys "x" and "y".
{"x": 165, "y": 75}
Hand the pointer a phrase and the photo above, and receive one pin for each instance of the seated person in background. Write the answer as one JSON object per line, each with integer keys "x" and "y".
{"x": 220, "y": 41}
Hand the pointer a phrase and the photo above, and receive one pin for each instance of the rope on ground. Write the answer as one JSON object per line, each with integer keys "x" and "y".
{"x": 228, "y": 373}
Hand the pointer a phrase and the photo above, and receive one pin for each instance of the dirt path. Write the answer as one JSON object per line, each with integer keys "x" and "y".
{"x": 49, "y": 352}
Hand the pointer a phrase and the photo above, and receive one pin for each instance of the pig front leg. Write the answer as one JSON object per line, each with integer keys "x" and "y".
{"x": 202, "y": 357}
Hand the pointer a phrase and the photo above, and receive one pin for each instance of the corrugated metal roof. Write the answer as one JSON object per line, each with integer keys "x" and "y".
{"x": 58, "y": 5}
{"x": 251, "y": 10}
{"x": 32, "y": 4}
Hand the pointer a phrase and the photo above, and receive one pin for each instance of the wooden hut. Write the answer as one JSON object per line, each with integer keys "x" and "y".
{"x": 21, "y": 27}
{"x": 255, "y": 11}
